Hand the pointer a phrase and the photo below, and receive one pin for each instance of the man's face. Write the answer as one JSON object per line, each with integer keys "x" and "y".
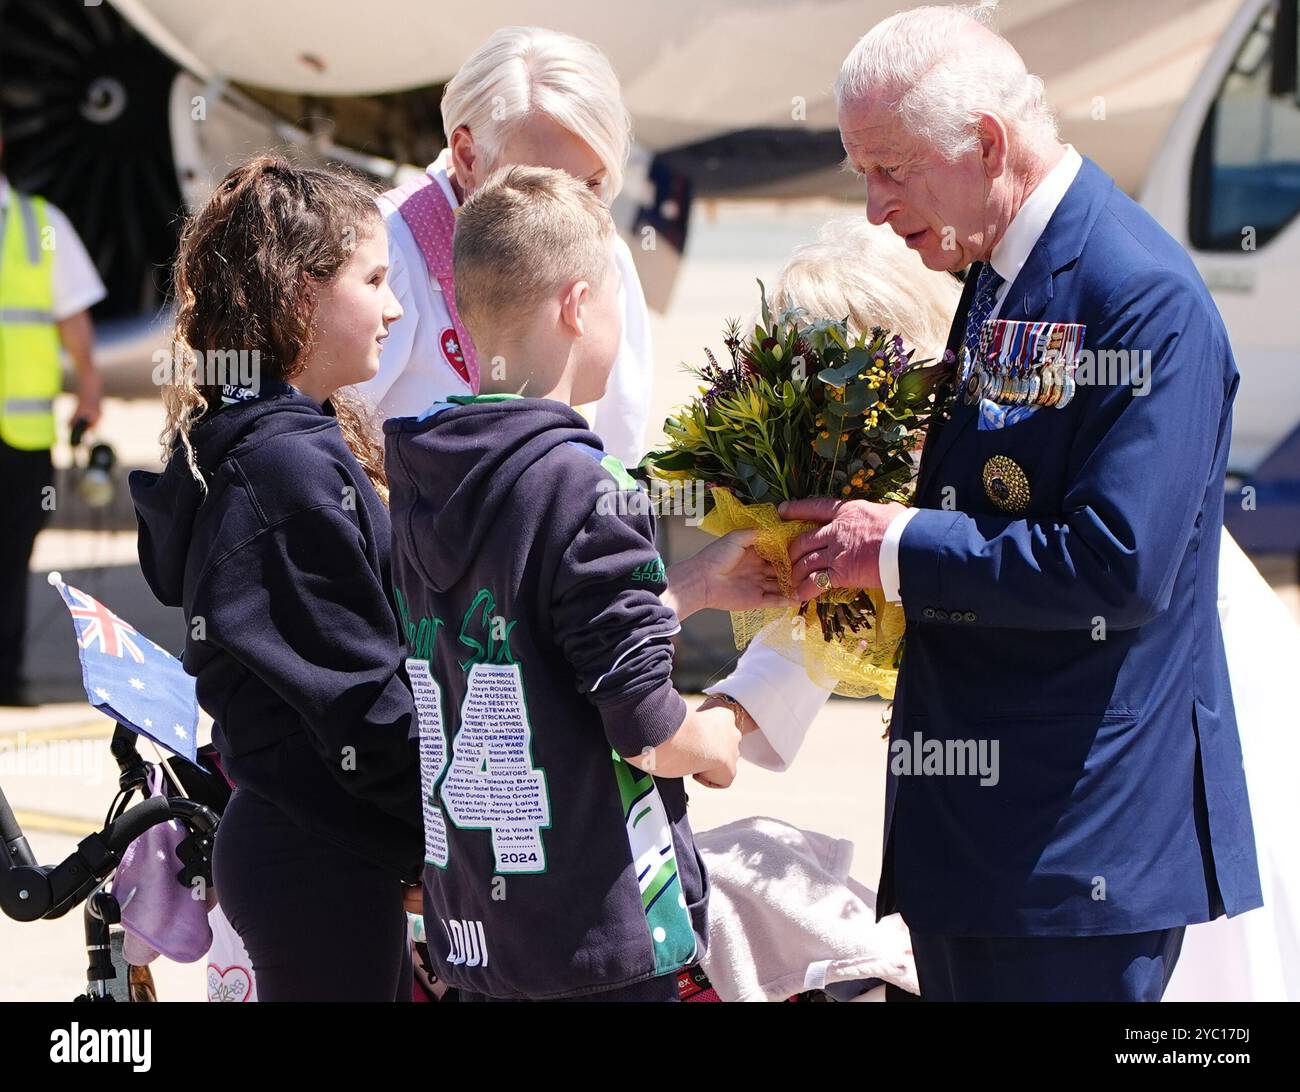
{"x": 940, "y": 208}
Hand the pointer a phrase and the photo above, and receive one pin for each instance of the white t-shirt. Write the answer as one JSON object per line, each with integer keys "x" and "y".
{"x": 77, "y": 285}
{"x": 414, "y": 373}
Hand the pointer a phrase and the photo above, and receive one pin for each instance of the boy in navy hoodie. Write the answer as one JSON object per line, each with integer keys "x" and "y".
{"x": 559, "y": 862}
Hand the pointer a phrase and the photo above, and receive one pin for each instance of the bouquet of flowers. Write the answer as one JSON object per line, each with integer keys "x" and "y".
{"x": 805, "y": 409}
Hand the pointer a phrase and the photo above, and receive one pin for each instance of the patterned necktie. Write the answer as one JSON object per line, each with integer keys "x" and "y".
{"x": 986, "y": 294}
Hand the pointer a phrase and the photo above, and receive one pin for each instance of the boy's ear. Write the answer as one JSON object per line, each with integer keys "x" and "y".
{"x": 573, "y": 307}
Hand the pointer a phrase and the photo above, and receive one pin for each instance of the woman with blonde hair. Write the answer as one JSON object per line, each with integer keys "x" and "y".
{"x": 526, "y": 97}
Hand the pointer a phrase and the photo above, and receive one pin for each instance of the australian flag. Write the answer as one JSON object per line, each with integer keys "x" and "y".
{"x": 136, "y": 682}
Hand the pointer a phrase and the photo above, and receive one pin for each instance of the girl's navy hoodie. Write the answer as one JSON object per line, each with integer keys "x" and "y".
{"x": 282, "y": 571}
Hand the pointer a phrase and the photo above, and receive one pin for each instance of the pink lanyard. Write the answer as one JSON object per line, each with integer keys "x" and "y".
{"x": 432, "y": 221}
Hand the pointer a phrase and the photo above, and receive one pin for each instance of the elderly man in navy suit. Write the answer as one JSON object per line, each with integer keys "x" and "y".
{"x": 1059, "y": 568}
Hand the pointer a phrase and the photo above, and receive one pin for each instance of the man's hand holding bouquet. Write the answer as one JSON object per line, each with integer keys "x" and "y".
{"x": 804, "y": 409}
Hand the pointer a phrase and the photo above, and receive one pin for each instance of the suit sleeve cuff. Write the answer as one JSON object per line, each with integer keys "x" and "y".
{"x": 920, "y": 554}
{"x": 890, "y": 582}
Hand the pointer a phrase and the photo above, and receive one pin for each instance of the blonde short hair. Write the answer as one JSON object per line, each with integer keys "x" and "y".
{"x": 867, "y": 274}
{"x": 522, "y": 71}
{"x": 522, "y": 237}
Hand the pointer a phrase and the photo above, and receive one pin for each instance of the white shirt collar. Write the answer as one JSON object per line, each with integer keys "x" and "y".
{"x": 437, "y": 170}
{"x": 1027, "y": 226}
{"x": 4, "y": 191}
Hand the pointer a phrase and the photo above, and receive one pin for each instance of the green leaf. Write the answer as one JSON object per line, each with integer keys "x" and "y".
{"x": 918, "y": 383}
{"x": 859, "y": 358}
{"x": 671, "y": 460}
{"x": 828, "y": 446}
{"x": 767, "y": 314}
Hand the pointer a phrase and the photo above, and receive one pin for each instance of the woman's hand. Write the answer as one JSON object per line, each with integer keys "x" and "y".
{"x": 725, "y": 575}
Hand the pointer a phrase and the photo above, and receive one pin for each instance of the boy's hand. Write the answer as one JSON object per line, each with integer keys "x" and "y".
{"x": 725, "y": 744}
{"x": 720, "y": 778}
{"x": 722, "y": 775}
{"x": 727, "y": 575}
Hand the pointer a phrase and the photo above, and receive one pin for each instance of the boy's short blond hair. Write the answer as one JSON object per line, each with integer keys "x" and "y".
{"x": 522, "y": 237}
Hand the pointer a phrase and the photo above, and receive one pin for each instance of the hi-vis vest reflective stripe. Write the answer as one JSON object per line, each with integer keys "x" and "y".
{"x": 30, "y": 372}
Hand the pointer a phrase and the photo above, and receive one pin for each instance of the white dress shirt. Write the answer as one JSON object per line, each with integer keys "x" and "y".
{"x": 414, "y": 374}
{"x": 776, "y": 691}
{"x": 1008, "y": 259}
{"x": 77, "y": 284}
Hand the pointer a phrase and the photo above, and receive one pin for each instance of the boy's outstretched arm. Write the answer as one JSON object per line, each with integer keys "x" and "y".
{"x": 614, "y": 625}
{"x": 707, "y": 745}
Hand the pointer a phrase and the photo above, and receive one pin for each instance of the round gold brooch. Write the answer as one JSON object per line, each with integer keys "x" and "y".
{"x": 1005, "y": 484}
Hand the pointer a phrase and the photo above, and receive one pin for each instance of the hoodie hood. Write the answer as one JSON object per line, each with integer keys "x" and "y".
{"x": 450, "y": 472}
{"x": 167, "y": 505}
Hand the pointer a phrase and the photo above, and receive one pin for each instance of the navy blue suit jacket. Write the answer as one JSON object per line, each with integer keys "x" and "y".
{"x": 1081, "y": 634}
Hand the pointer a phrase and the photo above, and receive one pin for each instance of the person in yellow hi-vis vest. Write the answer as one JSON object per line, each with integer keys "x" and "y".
{"x": 47, "y": 286}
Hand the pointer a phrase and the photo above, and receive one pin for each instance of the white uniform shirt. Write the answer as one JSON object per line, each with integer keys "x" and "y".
{"x": 414, "y": 373}
{"x": 77, "y": 285}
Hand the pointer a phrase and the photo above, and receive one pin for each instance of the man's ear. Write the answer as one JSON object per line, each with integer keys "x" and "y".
{"x": 993, "y": 145}
{"x": 573, "y": 308}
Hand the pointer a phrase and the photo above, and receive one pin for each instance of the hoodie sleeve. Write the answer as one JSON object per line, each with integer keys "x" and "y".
{"x": 298, "y": 605}
{"x": 615, "y": 631}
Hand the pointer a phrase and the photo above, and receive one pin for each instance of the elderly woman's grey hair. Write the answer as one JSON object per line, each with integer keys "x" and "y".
{"x": 867, "y": 274}
{"x": 940, "y": 68}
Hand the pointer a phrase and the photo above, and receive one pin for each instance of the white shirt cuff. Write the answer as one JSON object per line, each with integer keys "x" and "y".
{"x": 889, "y": 577}
{"x": 778, "y": 694}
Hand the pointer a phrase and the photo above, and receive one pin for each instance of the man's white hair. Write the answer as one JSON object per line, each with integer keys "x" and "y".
{"x": 520, "y": 72}
{"x": 940, "y": 68}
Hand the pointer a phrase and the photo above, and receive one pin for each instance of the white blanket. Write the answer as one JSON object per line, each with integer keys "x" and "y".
{"x": 785, "y": 916}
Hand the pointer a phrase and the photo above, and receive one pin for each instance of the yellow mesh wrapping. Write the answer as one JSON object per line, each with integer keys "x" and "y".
{"x": 859, "y": 665}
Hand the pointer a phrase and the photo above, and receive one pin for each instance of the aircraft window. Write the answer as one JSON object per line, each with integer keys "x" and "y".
{"x": 1246, "y": 170}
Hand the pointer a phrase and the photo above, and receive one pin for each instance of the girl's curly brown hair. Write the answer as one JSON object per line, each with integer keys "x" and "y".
{"x": 244, "y": 279}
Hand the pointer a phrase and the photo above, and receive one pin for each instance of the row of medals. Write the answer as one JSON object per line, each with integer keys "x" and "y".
{"x": 1021, "y": 384}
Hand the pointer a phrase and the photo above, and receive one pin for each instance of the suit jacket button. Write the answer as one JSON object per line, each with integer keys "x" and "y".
{"x": 928, "y": 612}
{"x": 970, "y": 616}
{"x": 942, "y": 615}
